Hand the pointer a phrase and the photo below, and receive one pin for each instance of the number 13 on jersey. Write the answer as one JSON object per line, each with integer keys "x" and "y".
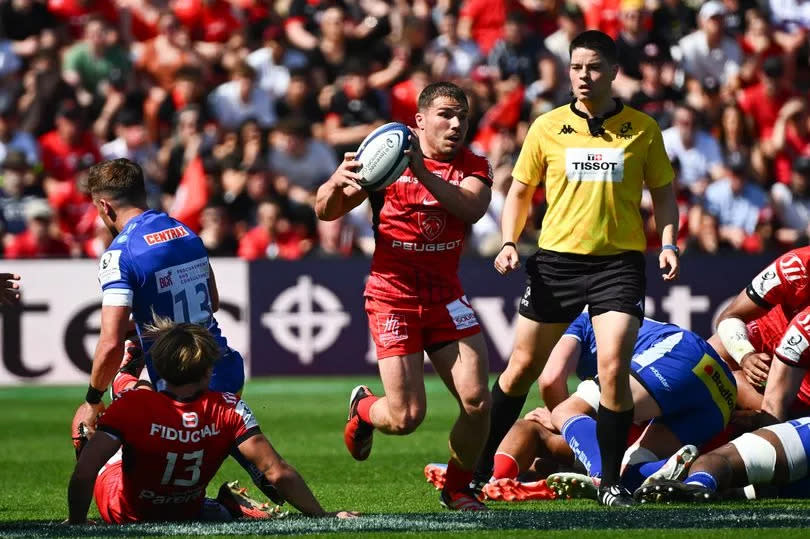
{"x": 187, "y": 287}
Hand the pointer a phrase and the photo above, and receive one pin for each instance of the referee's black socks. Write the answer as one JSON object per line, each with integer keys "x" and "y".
{"x": 505, "y": 411}
{"x": 612, "y": 430}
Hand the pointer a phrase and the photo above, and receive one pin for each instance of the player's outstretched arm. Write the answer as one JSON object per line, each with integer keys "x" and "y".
{"x": 783, "y": 383}
{"x": 561, "y": 363}
{"x": 513, "y": 219}
{"x": 341, "y": 193}
{"x": 665, "y": 208}
{"x": 258, "y": 450}
{"x": 80, "y": 491}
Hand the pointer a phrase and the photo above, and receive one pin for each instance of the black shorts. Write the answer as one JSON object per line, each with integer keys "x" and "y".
{"x": 560, "y": 285}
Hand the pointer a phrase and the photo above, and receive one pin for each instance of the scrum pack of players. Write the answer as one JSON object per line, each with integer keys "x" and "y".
{"x": 706, "y": 423}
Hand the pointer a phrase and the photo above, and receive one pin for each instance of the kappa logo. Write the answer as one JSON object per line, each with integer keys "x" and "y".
{"x": 567, "y": 130}
{"x": 626, "y": 130}
{"x": 431, "y": 224}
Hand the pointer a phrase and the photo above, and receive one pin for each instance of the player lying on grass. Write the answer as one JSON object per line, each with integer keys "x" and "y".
{"x": 156, "y": 451}
{"x": 678, "y": 382}
{"x": 776, "y": 456}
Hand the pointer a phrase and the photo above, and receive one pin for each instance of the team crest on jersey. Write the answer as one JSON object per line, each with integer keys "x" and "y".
{"x": 793, "y": 269}
{"x": 431, "y": 223}
{"x": 169, "y": 234}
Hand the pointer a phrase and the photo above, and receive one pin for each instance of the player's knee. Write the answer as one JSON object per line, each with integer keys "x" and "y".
{"x": 407, "y": 420}
{"x": 477, "y": 406}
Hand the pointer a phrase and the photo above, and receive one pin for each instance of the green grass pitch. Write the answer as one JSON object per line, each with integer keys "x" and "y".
{"x": 304, "y": 419}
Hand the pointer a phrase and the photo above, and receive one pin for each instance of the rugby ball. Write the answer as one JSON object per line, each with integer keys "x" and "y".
{"x": 382, "y": 155}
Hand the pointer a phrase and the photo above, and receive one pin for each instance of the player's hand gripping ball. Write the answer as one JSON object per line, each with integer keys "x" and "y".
{"x": 78, "y": 432}
{"x": 383, "y": 156}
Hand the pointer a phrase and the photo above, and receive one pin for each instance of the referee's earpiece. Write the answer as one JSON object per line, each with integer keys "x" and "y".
{"x": 595, "y": 126}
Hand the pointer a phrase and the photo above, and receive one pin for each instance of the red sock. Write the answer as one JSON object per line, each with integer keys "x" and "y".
{"x": 456, "y": 478}
{"x": 123, "y": 381}
{"x": 505, "y": 466}
{"x": 364, "y": 408}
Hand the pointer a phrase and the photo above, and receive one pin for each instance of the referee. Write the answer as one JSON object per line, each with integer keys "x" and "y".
{"x": 594, "y": 156}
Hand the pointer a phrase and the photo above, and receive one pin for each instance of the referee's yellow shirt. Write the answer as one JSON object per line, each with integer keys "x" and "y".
{"x": 593, "y": 183}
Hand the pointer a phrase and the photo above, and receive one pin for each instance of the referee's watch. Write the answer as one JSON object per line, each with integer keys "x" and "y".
{"x": 673, "y": 248}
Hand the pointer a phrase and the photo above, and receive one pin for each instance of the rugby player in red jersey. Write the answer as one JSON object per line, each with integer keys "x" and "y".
{"x": 414, "y": 300}
{"x": 751, "y": 328}
{"x": 155, "y": 452}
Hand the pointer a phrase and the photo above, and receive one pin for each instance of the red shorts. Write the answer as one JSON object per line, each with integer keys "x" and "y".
{"x": 400, "y": 330}
{"x": 109, "y": 493}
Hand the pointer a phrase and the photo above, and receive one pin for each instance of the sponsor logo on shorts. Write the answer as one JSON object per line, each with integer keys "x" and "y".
{"x": 527, "y": 294}
{"x": 660, "y": 378}
{"x": 391, "y": 328}
{"x": 722, "y": 389}
{"x": 184, "y": 436}
{"x": 462, "y": 314}
{"x": 183, "y": 497}
{"x": 431, "y": 223}
{"x": 169, "y": 234}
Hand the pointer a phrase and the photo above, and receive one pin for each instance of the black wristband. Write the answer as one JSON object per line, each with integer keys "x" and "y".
{"x": 511, "y": 243}
{"x": 93, "y": 395}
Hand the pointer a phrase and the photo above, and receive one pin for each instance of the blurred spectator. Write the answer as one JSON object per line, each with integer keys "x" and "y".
{"x": 41, "y": 238}
{"x": 217, "y": 232}
{"x": 757, "y": 45}
{"x": 273, "y": 236}
{"x": 706, "y": 239}
{"x": 97, "y": 61}
{"x": 483, "y": 21}
{"x": 29, "y": 24}
{"x": 44, "y": 90}
{"x": 654, "y": 97}
{"x": 602, "y": 15}
{"x": 709, "y": 52}
{"x": 12, "y": 138}
{"x": 450, "y": 55}
{"x": 132, "y": 143}
{"x": 696, "y": 150}
{"x": 300, "y": 101}
{"x": 210, "y": 21}
{"x": 791, "y": 205}
{"x": 271, "y": 63}
{"x": 241, "y": 98}
{"x": 790, "y": 138}
{"x": 762, "y": 101}
{"x": 301, "y": 26}
{"x": 294, "y": 153}
{"x": 672, "y": 20}
{"x": 735, "y": 136}
{"x": 335, "y": 240}
{"x": 172, "y": 49}
{"x": 405, "y": 94}
{"x": 571, "y": 23}
{"x": 77, "y": 12}
{"x": 10, "y": 62}
{"x": 16, "y": 192}
{"x": 630, "y": 44}
{"x": 734, "y": 19}
{"x": 520, "y": 54}
{"x": 356, "y": 110}
{"x": 736, "y": 202}
{"x": 791, "y": 20}
{"x": 69, "y": 147}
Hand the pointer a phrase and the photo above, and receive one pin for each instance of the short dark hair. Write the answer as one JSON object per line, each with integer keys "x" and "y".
{"x": 596, "y": 41}
{"x": 441, "y": 89}
{"x": 119, "y": 179}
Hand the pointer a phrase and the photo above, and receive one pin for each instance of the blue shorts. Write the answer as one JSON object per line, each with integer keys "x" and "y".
{"x": 228, "y": 375}
{"x": 691, "y": 384}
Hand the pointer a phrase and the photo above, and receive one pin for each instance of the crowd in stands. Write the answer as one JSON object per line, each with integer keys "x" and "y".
{"x": 238, "y": 110}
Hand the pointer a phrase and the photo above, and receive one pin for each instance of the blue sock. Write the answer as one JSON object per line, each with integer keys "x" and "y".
{"x": 635, "y": 474}
{"x": 702, "y": 478}
{"x": 580, "y": 433}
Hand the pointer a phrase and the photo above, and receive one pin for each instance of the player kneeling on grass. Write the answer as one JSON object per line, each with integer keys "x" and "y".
{"x": 155, "y": 452}
{"x": 776, "y": 455}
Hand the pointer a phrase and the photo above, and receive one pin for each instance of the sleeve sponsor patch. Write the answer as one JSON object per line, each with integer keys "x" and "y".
{"x": 109, "y": 267}
{"x": 767, "y": 280}
{"x": 792, "y": 346}
{"x": 246, "y": 414}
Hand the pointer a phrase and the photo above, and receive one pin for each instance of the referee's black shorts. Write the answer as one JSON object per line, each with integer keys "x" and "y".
{"x": 560, "y": 285}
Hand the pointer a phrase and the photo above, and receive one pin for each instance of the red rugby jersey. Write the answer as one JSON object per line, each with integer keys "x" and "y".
{"x": 418, "y": 242}
{"x": 173, "y": 448}
{"x": 784, "y": 283}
